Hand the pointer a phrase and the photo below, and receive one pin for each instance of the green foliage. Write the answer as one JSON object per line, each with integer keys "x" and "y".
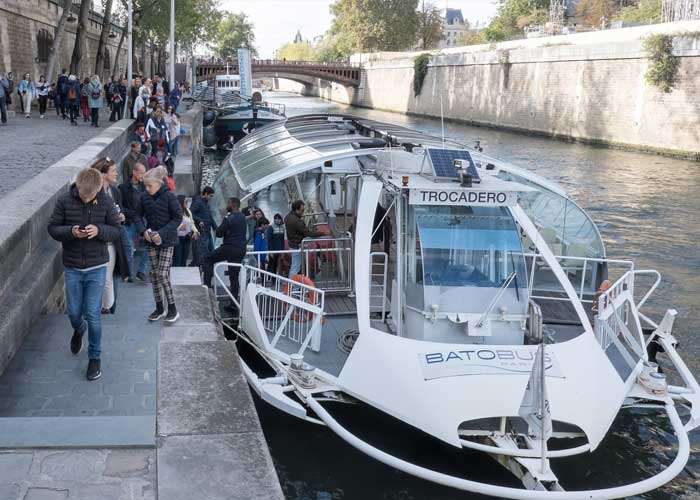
{"x": 647, "y": 11}
{"x": 297, "y": 52}
{"x": 420, "y": 70}
{"x": 592, "y": 12}
{"x": 512, "y": 16}
{"x": 471, "y": 38}
{"x": 429, "y": 25}
{"x": 233, "y": 32}
{"x": 373, "y": 25}
{"x": 663, "y": 65}
{"x": 196, "y": 21}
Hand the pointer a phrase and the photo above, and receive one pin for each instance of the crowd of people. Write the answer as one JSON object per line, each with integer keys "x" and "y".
{"x": 74, "y": 99}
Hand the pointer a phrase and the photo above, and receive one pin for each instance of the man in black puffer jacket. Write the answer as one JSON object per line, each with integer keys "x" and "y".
{"x": 163, "y": 215}
{"x": 84, "y": 220}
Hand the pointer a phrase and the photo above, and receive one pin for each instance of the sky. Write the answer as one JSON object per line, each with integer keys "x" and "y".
{"x": 277, "y": 21}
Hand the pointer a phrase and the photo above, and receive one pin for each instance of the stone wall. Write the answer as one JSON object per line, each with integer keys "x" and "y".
{"x": 589, "y": 87}
{"x": 21, "y": 21}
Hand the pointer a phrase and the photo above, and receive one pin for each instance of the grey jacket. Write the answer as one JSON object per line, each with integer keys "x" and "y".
{"x": 4, "y": 87}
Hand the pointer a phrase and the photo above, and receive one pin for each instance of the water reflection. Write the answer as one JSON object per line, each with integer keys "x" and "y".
{"x": 648, "y": 210}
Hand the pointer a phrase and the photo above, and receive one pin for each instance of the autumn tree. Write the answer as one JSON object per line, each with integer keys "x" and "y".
{"x": 233, "y": 32}
{"x": 374, "y": 25}
{"x": 512, "y": 16}
{"x": 429, "y": 25}
{"x": 303, "y": 51}
{"x": 593, "y": 12}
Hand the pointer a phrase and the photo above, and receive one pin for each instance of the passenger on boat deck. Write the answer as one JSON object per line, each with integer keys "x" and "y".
{"x": 297, "y": 231}
{"x": 232, "y": 229}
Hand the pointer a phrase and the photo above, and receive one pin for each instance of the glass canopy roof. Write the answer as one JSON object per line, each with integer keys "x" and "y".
{"x": 302, "y": 143}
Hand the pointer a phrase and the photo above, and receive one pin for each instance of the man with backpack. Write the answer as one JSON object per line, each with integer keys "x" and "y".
{"x": 72, "y": 98}
{"x": 62, "y": 92}
{"x": 94, "y": 90}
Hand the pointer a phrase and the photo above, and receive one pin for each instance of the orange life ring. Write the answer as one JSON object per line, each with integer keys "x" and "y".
{"x": 298, "y": 316}
{"x": 604, "y": 287}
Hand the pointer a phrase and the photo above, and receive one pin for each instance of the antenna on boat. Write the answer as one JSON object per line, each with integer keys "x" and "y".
{"x": 391, "y": 160}
{"x": 442, "y": 122}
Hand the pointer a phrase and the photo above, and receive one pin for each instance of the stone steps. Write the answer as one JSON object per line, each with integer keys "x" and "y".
{"x": 77, "y": 432}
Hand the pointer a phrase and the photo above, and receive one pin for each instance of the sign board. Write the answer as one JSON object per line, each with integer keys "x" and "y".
{"x": 485, "y": 360}
{"x": 245, "y": 72}
{"x": 484, "y": 198}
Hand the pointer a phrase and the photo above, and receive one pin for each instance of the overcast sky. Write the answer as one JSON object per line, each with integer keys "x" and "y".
{"x": 277, "y": 21}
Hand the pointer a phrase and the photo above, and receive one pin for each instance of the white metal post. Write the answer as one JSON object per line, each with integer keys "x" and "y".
{"x": 130, "y": 58}
{"x": 544, "y": 469}
{"x": 172, "y": 44}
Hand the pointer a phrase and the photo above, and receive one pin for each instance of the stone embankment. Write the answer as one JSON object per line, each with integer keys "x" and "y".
{"x": 588, "y": 87}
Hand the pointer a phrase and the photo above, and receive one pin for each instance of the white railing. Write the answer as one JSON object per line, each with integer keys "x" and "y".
{"x": 377, "y": 280}
{"x": 328, "y": 261}
{"x": 584, "y": 264}
{"x": 286, "y": 308}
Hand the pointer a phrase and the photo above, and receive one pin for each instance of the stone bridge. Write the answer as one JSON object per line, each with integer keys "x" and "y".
{"x": 305, "y": 72}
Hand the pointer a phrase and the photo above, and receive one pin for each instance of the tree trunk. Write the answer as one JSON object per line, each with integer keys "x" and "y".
{"x": 106, "y": 25}
{"x": 57, "y": 38}
{"x": 79, "y": 39}
{"x": 115, "y": 68}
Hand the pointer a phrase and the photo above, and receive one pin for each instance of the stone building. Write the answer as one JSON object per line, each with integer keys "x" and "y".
{"x": 453, "y": 26}
{"x": 27, "y": 29}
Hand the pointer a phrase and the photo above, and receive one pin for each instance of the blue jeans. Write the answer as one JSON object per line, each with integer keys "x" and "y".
{"x": 84, "y": 300}
{"x": 132, "y": 235}
{"x": 295, "y": 267}
{"x": 173, "y": 146}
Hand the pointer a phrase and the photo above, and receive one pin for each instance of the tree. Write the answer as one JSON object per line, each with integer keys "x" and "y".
{"x": 122, "y": 37}
{"x": 374, "y": 25}
{"x": 106, "y": 27}
{"x": 471, "y": 38}
{"x": 79, "y": 39}
{"x": 592, "y": 12}
{"x": 234, "y": 31}
{"x": 297, "y": 52}
{"x": 513, "y": 15}
{"x": 647, "y": 11}
{"x": 57, "y": 39}
{"x": 429, "y": 26}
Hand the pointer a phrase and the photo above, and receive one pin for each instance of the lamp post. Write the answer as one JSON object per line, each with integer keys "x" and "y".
{"x": 129, "y": 55}
{"x": 172, "y": 43}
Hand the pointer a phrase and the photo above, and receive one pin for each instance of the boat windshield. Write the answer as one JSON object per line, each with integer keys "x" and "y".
{"x": 468, "y": 247}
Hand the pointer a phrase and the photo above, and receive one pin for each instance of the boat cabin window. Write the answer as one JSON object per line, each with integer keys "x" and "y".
{"x": 466, "y": 246}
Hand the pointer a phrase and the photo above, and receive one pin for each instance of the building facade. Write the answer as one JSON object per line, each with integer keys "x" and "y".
{"x": 27, "y": 29}
{"x": 453, "y": 26}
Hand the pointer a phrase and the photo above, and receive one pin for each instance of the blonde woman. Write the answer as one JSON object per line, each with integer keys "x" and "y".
{"x": 27, "y": 91}
{"x": 163, "y": 215}
{"x": 94, "y": 95}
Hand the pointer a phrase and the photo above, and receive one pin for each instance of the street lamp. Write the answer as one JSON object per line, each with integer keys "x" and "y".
{"x": 172, "y": 43}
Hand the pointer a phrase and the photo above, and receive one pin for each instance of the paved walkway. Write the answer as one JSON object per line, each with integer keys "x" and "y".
{"x": 44, "y": 379}
{"x": 30, "y": 145}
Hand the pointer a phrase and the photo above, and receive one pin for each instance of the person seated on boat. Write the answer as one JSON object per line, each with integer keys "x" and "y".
{"x": 297, "y": 230}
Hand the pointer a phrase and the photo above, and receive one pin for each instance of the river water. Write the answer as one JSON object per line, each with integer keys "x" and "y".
{"x": 648, "y": 210}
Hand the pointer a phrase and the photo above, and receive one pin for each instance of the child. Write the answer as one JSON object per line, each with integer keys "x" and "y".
{"x": 275, "y": 241}
{"x": 260, "y": 241}
{"x": 163, "y": 215}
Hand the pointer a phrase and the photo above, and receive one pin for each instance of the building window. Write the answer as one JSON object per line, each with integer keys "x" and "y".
{"x": 107, "y": 64}
{"x": 44, "y": 40}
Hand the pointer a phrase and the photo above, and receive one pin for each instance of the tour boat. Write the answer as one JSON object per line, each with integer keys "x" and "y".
{"x": 466, "y": 297}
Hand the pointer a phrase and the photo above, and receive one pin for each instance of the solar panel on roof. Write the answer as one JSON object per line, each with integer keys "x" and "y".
{"x": 443, "y": 160}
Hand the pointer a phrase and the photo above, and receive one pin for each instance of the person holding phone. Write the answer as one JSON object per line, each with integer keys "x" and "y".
{"x": 85, "y": 220}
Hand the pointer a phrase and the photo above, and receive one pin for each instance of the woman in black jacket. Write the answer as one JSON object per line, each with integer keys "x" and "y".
{"x": 118, "y": 262}
{"x": 163, "y": 215}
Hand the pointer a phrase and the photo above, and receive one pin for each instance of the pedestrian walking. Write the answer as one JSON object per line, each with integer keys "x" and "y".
{"x": 84, "y": 220}
{"x": 296, "y": 232}
{"x": 175, "y": 96}
{"x": 186, "y": 232}
{"x": 233, "y": 248}
{"x": 162, "y": 214}
{"x": 118, "y": 262}
{"x": 157, "y": 130}
{"x": 204, "y": 220}
{"x": 73, "y": 98}
{"x": 117, "y": 100}
{"x": 172, "y": 120}
{"x": 4, "y": 92}
{"x": 109, "y": 90}
{"x": 135, "y": 156}
{"x": 27, "y": 91}
{"x": 84, "y": 103}
{"x": 42, "y": 92}
{"x": 62, "y": 91}
{"x": 132, "y": 191}
{"x": 95, "y": 100}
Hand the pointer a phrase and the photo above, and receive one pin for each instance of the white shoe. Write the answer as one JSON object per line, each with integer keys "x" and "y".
{"x": 42, "y": 117}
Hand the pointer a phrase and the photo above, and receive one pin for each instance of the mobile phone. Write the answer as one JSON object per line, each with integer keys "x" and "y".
{"x": 81, "y": 228}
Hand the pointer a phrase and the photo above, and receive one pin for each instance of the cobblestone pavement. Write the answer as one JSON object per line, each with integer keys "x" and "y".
{"x": 30, "y": 145}
{"x": 45, "y": 380}
{"x": 120, "y": 474}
